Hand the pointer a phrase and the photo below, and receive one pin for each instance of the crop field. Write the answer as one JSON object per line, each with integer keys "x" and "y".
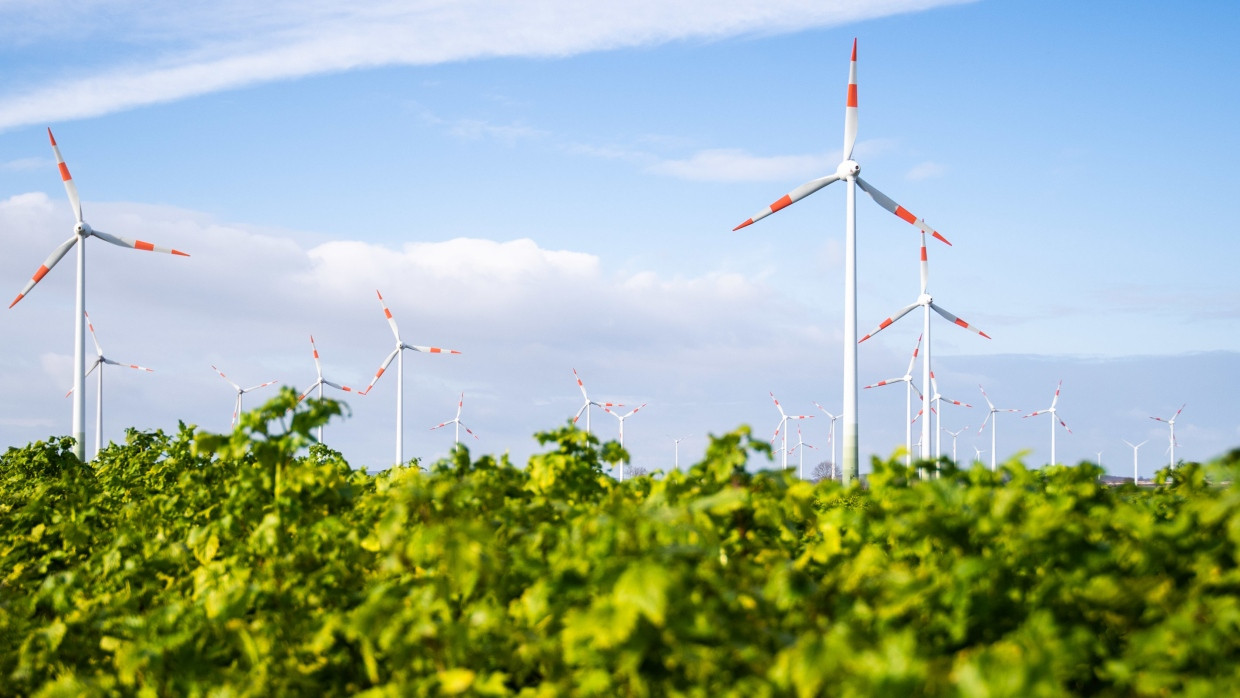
{"x": 261, "y": 563}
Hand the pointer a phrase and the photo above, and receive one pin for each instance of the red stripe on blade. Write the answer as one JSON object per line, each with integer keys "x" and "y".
{"x": 139, "y": 245}
{"x": 904, "y": 213}
{"x": 852, "y": 95}
{"x": 782, "y": 203}
{"x": 64, "y": 172}
{"x": 40, "y": 273}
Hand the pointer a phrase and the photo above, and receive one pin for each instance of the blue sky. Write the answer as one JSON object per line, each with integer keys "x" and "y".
{"x": 556, "y": 189}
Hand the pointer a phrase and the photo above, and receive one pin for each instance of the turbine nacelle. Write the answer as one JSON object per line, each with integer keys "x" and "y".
{"x": 83, "y": 229}
{"x": 848, "y": 168}
{"x": 925, "y": 299}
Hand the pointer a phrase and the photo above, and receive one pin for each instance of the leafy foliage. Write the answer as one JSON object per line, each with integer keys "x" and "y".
{"x": 260, "y": 563}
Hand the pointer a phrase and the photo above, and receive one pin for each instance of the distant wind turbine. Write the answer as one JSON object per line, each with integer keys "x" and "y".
{"x": 457, "y": 422}
{"x": 994, "y": 426}
{"x": 801, "y": 446}
{"x": 1054, "y": 418}
{"x": 937, "y": 398}
{"x": 320, "y": 382}
{"x": 81, "y": 231}
{"x": 240, "y": 391}
{"x": 621, "y": 418}
{"x": 98, "y": 363}
{"x": 588, "y": 402}
{"x": 954, "y": 435}
{"x": 783, "y": 422}
{"x": 399, "y": 354}
{"x": 1171, "y": 423}
{"x": 676, "y": 455}
{"x": 907, "y": 379}
{"x": 830, "y": 437}
{"x": 850, "y": 172}
{"x": 1135, "y": 447}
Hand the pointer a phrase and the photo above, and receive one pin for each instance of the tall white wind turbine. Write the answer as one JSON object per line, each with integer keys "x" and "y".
{"x": 1171, "y": 423}
{"x": 621, "y": 418}
{"x": 457, "y": 422}
{"x": 783, "y": 422}
{"x": 98, "y": 363}
{"x": 926, "y": 302}
{"x": 830, "y": 436}
{"x": 907, "y": 379}
{"x": 588, "y": 402}
{"x": 321, "y": 381}
{"x": 994, "y": 423}
{"x": 848, "y": 171}
{"x": 676, "y": 452}
{"x": 81, "y": 231}
{"x": 240, "y": 391}
{"x": 1135, "y": 448}
{"x": 1054, "y": 418}
{"x": 399, "y": 354}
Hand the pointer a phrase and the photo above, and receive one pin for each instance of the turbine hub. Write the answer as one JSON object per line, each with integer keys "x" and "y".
{"x": 82, "y": 228}
{"x": 848, "y": 168}
{"x": 924, "y": 299}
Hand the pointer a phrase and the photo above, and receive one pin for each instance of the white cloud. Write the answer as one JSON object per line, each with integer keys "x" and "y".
{"x": 167, "y": 55}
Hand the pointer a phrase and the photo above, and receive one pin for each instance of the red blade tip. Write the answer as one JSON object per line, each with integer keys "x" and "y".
{"x": 742, "y": 225}
{"x": 854, "y": 54}
{"x": 50, "y": 137}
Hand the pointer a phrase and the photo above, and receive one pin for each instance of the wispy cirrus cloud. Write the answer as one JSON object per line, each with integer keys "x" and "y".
{"x": 145, "y": 53}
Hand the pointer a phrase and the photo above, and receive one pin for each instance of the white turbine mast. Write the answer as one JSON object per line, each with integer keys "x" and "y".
{"x": 909, "y": 387}
{"x": 621, "y": 418}
{"x": 1135, "y": 447}
{"x": 848, "y": 171}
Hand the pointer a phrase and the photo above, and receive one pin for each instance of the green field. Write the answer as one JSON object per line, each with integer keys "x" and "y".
{"x": 256, "y": 563}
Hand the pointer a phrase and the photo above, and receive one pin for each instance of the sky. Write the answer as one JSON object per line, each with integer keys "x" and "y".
{"x": 553, "y": 186}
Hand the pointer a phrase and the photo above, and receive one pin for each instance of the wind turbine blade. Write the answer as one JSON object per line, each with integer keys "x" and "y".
{"x": 989, "y": 404}
{"x": 90, "y": 326}
{"x": 236, "y": 410}
{"x": 317, "y": 367}
{"x": 881, "y": 383}
{"x": 56, "y": 255}
{"x": 579, "y": 412}
{"x": 442, "y": 424}
{"x": 468, "y": 430}
{"x": 913, "y": 360}
{"x": 135, "y": 244}
{"x": 136, "y": 367}
{"x": 345, "y": 388}
{"x": 93, "y": 365}
{"x": 234, "y": 385}
{"x": 1055, "y": 400}
{"x": 901, "y": 212}
{"x": 1063, "y": 424}
{"x": 388, "y": 314}
{"x": 850, "y": 107}
{"x": 778, "y": 406}
{"x": 790, "y": 198}
{"x": 635, "y": 409}
{"x": 431, "y": 350}
{"x": 70, "y": 187}
{"x": 885, "y": 323}
{"x": 382, "y": 367}
{"x": 925, "y": 264}
{"x": 958, "y": 321}
{"x": 261, "y": 385}
{"x": 459, "y": 404}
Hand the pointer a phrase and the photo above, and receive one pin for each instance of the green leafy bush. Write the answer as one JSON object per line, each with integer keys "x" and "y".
{"x": 260, "y": 563}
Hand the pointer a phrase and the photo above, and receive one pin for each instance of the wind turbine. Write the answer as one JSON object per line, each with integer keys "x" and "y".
{"x": 240, "y": 391}
{"x": 926, "y": 302}
{"x": 937, "y": 399}
{"x": 623, "y": 417}
{"x": 1054, "y": 418}
{"x": 801, "y": 446}
{"x": 978, "y": 456}
{"x": 586, "y": 407}
{"x": 830, "y": 437}
{"x": 783, "y": 421}
{"x": 676, "y": 455}
{"x": 321, "y": 381}
{"x": 457, "y": 421}
{"x": 1135, "y": 448}
{"x": 399, "y": 354}
{"x": 1171, "y": 423}
{"x": 990, "y": 417}
{"x": 954, "y": 435}
{"x": 81, "y": 231}
{"x": 98, "y": 363}
{"x": 848, "y": 171}
{"x": 907, "y": 379}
